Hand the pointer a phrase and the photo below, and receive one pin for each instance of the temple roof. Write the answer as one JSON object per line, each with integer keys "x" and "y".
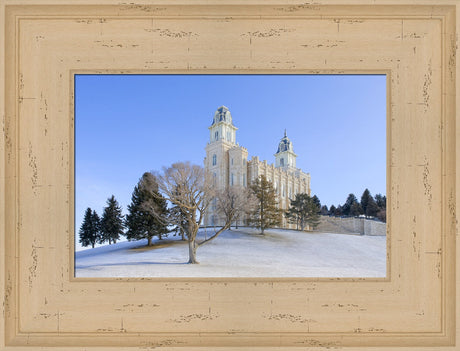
{"x": 285, "y": 144}
{"x": 222, "y": 114}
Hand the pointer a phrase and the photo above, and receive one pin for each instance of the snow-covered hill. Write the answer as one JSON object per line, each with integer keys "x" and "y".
{"x": 242, "y": 253}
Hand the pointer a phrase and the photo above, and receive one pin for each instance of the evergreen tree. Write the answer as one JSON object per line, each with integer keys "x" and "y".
{"x": 141, "y": 221}
{"x": 89, "y": 231}
{"x": 355, "y": 209}
{"x": 303, "y": 211}
{"x": 332, "y": 210}
{"x": 339, "y": 211}
{"x": 296, "y": 213}
{"x": 317, "y": 202}
{"x": 351, "y": 199}
{"x": 96, "y": 223}
{"x": 365, "y": 198}
{"x": 313, "y": 218}
{"x": 267, "y": 214}
{"x": 111, "y": 222}
{"x": 381, "y": 201}
{"x": 324, "y": 210}
{"x": 372, "y": 209}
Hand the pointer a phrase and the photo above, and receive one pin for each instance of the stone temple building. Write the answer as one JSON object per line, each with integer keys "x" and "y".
{"x": 228, "y": 164}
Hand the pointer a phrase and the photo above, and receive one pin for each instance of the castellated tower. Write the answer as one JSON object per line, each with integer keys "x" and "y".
{"x": 225, "y": 159}
{"x": 285, "y": 157}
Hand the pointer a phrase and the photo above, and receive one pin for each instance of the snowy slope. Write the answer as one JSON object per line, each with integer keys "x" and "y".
{"x": 242, "y": 253}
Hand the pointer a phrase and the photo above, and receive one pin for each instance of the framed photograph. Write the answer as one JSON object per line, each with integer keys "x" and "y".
{"x": 49, "y": 47}
{"x": 279, "y": 203}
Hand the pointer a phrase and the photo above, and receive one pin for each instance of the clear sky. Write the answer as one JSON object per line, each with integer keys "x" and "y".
{"x": 126, "y": 125}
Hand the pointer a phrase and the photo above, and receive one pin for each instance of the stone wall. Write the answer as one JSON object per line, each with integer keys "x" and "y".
{"x": 360, "y": 226}
{"x": 374, "y": 227}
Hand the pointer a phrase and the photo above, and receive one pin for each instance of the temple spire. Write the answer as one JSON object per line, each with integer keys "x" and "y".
{"x": 285, "y": 132}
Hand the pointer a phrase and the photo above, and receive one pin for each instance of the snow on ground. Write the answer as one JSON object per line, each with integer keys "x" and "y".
{"x": 242, "y": 252}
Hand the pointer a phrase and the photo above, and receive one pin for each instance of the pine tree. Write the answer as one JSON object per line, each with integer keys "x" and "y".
{"x": 351, "y": 199}
{"x": 96, "y": 222}
{"x": 141, "y": 222}
{"x": 90, "y": 229}
{"x": 381, "y": 201}
{"x": 339, "y": 211}
{"x": 313, "y": 218}
{"x": 355, "y": 209}
{"x": 316, "y": 201}
{"x": 324, "y": 210}
{"x": 372, "y": 209}
{"x": 295, "y": 214}
{"x": 111, "y": 222}
{"x": 267, "y": 214}
{"x": 304, "y": 210}
{"x": 332, "y": 210}
{"x": 365, "y": 198}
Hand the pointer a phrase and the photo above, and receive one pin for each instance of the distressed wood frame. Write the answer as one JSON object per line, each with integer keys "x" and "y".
{"x": 46, "y": 43}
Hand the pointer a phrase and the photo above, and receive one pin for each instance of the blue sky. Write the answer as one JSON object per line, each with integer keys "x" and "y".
{"x": 128, "y": 124}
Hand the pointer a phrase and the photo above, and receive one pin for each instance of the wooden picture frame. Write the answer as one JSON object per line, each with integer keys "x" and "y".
{"x": 46, "y": 43}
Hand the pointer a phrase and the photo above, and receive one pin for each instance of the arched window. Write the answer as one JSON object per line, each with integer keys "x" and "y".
{"x": 229, "y": 138}
{"x": 216, "y": 135}
{"x": 231, "y": 180}
{"x": 214, "y": 160}
{"x": 282, "y": 162}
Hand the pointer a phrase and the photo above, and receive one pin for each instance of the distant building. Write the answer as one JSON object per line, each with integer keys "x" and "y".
{"x": 228, "y": 164}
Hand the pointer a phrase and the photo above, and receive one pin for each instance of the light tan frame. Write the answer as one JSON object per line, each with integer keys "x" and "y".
{"x": 43, "y": 305}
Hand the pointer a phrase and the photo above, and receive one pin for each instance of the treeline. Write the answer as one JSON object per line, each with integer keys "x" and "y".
{"x": 140, "y": 222}
{"x": 369, "y": 206}
{"x": 177, "y": 199}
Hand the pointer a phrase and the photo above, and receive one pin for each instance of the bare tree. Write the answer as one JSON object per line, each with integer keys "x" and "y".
{"x": 235, "y": 202}
{"x": 190, "y": 189}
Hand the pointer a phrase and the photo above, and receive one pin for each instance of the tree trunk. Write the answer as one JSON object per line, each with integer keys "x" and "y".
{"x": 159, "y": 237}
{"x": 110, "y": 241}
{"x": 92, "y": 245}
{"x": 192, "y": 252}
{"x": 149, "y": 241}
